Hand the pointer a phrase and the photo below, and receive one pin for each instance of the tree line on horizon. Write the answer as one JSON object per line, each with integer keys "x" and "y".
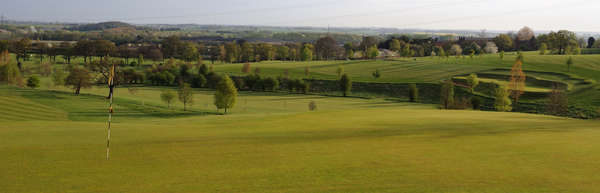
{"x": 325, "y": 48}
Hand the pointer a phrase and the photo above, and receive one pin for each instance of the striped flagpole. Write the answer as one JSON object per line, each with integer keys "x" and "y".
{"x": 110, "y": 109}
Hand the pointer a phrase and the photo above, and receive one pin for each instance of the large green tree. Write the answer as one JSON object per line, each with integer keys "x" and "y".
{"x": 232, "y": 52}
{"x": 189, "y": 51}
{"x": 21, "y": 48}
{"x": 504, "y": 42}
{"x": 283, "y": 52}
{"x": 225, "y": 94}
{"x": 326, "y": 48}
{"x": 79, "y": 78}
{"x": 307, "y": 52}
{"x": 562, "y": 41}
{"x": 171, "y": 46}
{"x": 186, "y": 96}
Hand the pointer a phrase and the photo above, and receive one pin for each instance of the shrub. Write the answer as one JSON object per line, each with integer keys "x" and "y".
{"x": 293, "y": 85}
{"x": 345, "y": 85}
{"x": 198, "y": 81}
{"x": 305, "y": 87}
{"x": 413, "y": 93}
{"x": 270, "y": 84}
{"x": 312, "y": 106}
{"x": 502, "y": 102}
{"x": 376, "y": 74}
{"x": 476, "y": 103}
{"x": 252, "y": 80}
{"x": 212, "y": 79}
{"x": 203, "y": 70}
{"x": 33, "y": 82}
{"x": 301, "y": 86}
{"x": 473, "y": 81}
{"x": 239, "y": 82}
{"x": 133, "y": 63}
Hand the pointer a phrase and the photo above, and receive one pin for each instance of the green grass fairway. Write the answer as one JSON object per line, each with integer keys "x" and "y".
{"x": 271, "y": 143}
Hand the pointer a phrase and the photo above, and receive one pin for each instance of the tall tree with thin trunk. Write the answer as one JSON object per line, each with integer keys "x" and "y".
{"x": 447, "y": 94}
{"x": 186, "y": 96}
{"x": 517, "y": 81}
{"x": 226, "y": 94}
{"x": 167, "y": 96}
{"x": 345, "y": 85}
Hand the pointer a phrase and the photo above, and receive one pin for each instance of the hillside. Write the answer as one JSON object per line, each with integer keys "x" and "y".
{"x": 102, "y": 26}
{"x": 273, "y": 144}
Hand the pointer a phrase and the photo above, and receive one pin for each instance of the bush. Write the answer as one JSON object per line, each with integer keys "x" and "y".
{"x": 212, "y": 79}
{"x": 252, "y": 81}
{"x": 239, "y": 83}
{"x": 305, "y": 87}
{"x": 270, "y": 84}
{"x": 312, "y": 106}
{"x": 133, "y": 63}
{"x": 476, "y": 103}
{"x": 198, "y": 81}
{"x": 33, "y": 82}
{"x": 345, "y": 85}
{"x": 301, "y": 86}
{"x": 376, "y": 74}
{"x": 502, "y": 102}
{"x": 413, "y": 93}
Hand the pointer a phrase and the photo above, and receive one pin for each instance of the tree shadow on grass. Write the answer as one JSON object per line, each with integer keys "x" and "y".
{"x": 90, "y": 107}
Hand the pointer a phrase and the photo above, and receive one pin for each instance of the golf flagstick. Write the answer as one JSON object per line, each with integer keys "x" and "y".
{"x": 110, "y": 109}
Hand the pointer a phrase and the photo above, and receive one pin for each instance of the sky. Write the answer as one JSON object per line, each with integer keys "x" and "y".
{"x": 504, "y": 15}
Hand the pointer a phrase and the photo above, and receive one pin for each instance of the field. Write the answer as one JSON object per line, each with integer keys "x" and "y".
{"x": 543, "y": 71}
{"x": 54, "y": 141}
{"x": 271, "y": 143}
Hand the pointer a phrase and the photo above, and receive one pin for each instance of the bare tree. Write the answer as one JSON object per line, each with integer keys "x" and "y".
{"x": 517, "y": 81}
{"x": 525, "y": 34}
{"x": 557, "y": 102}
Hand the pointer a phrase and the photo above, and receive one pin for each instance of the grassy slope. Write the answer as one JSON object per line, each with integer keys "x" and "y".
{"x": 431, "y": 69}
{"x": 434, "y": 69}
{"x": 424, "y": 69}
{"x": 349, "y": 145}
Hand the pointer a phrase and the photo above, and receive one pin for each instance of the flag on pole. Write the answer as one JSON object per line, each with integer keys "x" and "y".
{"x": 111, "y": 85}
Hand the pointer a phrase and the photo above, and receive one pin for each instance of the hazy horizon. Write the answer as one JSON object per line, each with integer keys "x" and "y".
{"x": 509, "y": 15}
